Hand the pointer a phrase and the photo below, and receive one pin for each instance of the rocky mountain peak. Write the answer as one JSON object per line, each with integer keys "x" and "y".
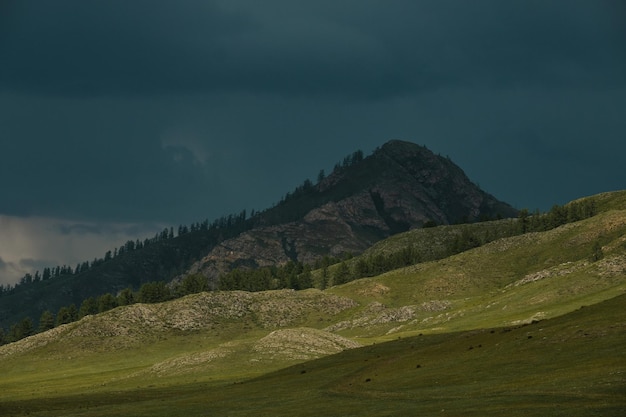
{"x": 399, "y": 186}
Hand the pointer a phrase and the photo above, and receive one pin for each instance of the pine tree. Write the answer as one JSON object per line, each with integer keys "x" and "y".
{"x": 324, "y": 278}
{"x": 67, "y": 315}
{"x": 89, "y": 306}
{"x": 305, "y": 279}
{"x": 73, "y": 312}
{"x": 63, "y": 316}
{"x": 21, "y": 330}
{"x": 192, "y": 284}
{"x": 106, "y": 302}
{"x": 596, "y": 252}
{"x": 321, "y": 176}
{"x": 126, "y": 297}
{"x": 46, "y": 321}
{"x": 342, "y": 274}
{"x": 154, "y": 292}
{"x": 523, "y": 220}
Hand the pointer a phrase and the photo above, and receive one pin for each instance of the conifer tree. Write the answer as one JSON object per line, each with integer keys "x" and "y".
{"x": 106, "y": 302}
{"x": 342, "y": 274}
{"x": 21, "y": 330}
{"x": 596, "y": 252}
{"x": 126, "y": 297}
{"x": 46, "y": 321}
{"x": 321, "y": 176}
{"x": 89, "y": 306}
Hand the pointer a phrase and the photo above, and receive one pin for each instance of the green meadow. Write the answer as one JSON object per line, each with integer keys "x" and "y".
{"x": 529, "y": 325}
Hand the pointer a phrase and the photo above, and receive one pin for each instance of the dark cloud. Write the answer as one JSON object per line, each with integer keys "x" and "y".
{"x": 110, "y": 47}
{"x": 29, "y": 263}
{"x": 152, "y": 112}
{"x": 354, "y": 49}
{"x": 29, "y": 244}
{"x": 130, "y": 231}
{"x": 80, "y": 229}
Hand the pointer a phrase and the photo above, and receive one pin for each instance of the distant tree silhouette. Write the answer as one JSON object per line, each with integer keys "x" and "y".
{"x": 192, "y": 284}
{"x": 126, "y": 297}
{"x": 21, "y": 330}
{"x": 154, "y": 292}
{"x": 46, "y": 321}
{"x": 341, "y": 274}
{"x": 596, "y": 252}
{"x": 88, "y": 306}
{"x": 67, "y": 315}
{"x": 106, "y": 302}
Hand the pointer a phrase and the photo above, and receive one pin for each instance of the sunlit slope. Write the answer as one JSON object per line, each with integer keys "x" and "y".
{"x": 189, "y": 351}
{"x": 572, "y": 365}
{"x": 213, "y": 336}
{"x": 512, "y": 280}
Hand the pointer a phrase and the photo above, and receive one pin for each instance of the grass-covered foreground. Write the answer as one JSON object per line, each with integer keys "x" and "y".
{"x": 574, "y": 365}
{"x": 531, "y": 325}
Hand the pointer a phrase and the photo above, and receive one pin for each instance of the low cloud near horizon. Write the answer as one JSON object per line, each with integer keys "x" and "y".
{"x": 32, "y": 244}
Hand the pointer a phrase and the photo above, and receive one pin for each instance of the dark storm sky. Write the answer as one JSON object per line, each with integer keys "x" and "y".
{"x": 119, "y": 117}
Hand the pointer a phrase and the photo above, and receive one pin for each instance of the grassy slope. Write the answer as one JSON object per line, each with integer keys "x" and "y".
{"x": 493, "y": 285}
{"x": 575, "y": 361}
{"x": 573, "y": 365}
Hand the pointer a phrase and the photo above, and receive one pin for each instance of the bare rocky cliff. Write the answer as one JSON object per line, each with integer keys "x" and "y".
{"x": 398, "y": 187}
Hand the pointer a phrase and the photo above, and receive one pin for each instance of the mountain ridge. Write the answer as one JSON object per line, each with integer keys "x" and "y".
{"x": 365, "y": 199}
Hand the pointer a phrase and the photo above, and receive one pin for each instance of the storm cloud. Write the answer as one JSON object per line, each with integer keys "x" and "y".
{"x": 353, "y": 49}
{"x": 33, "y": 243}
{"x": 161, "y": 112}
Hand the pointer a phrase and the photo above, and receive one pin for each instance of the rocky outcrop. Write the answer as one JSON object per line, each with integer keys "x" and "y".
{"x": 399, "y": 187}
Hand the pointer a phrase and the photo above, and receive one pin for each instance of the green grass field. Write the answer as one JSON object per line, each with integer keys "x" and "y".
{"x": 573, "y": 365}
{"x": 526, "y": 326}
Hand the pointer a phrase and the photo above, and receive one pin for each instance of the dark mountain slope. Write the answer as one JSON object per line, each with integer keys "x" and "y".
{"x": 399, "y": 187}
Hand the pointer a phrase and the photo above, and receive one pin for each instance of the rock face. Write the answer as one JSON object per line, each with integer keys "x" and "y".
{"x": 398, "y": 187}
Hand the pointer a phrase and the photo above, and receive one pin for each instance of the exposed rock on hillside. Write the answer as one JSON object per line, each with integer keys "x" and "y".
{"x": 135, "y": 324}
{"x": 376, "y": 313}
{"x": 269, "y": 309}
{"x": 399, "y": 187}
{"x": 302, "y": 344}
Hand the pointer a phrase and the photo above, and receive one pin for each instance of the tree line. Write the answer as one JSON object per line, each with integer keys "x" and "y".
{"x": 296, "y": 275}
{"x": 557, "y": 216}
{"x": 81, "y": 267}
{"x": 151, "y": 292}
{"x": 235, "y": 222}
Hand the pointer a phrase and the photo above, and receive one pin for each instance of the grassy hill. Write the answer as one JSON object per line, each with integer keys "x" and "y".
{"x": 493, "y": 330}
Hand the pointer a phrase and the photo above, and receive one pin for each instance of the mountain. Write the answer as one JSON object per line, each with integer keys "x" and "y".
{"x": 525, "y": 325}
{"x": 400, "y": 186}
